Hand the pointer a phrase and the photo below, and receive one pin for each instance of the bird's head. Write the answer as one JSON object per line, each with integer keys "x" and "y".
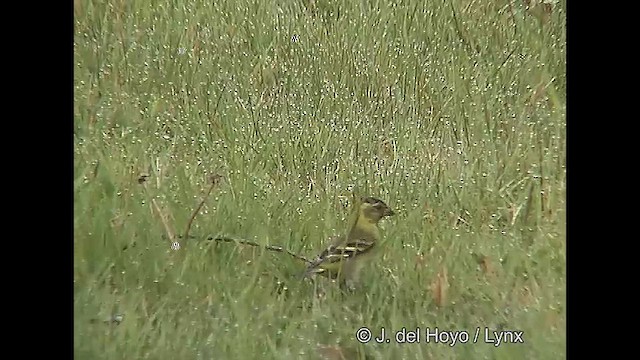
{"x": 374, "y": 209}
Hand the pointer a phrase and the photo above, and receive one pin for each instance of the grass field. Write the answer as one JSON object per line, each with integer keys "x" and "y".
{"x": 451, "y": 111}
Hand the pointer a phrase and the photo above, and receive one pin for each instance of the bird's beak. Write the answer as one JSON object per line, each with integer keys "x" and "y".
{"x": 389, "y": 212}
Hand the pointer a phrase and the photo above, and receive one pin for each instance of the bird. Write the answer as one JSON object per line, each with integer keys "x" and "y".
{"x": 344, "y": 258}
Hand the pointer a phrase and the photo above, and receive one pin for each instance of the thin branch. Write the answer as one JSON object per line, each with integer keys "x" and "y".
{"x": 215, "y": 180}
{"x": 279, "y": 249}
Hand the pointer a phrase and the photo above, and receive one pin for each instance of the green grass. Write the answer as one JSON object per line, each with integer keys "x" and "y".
{"x": 453, "y": 112}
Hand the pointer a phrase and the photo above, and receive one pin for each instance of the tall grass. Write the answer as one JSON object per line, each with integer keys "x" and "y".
{"x": 452, "y": 111}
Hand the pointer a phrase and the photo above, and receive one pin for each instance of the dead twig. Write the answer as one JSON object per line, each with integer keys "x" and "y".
{"x": 274, "y": 248}
{"x": 215, "y": 180}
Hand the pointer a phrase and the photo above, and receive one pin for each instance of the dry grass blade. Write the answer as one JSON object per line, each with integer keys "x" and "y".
{"x": 335, "y": 352}
{"x": 440, "y": 286}
{"x": 142, "y": 180}
{"x": 486, "y": 265}
{"x": 421, "y": 261}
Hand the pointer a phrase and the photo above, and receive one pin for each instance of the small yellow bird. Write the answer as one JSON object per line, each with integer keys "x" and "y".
{"x": 345, "y": 257}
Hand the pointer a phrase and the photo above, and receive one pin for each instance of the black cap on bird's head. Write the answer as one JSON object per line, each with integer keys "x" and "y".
{"x": 378, "y": 207}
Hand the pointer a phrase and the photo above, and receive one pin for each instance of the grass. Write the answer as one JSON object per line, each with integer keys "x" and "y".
{"x": 451, "y": 111}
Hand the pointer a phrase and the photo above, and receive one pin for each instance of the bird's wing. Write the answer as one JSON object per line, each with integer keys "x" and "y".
{"x": 339, "y": 252}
